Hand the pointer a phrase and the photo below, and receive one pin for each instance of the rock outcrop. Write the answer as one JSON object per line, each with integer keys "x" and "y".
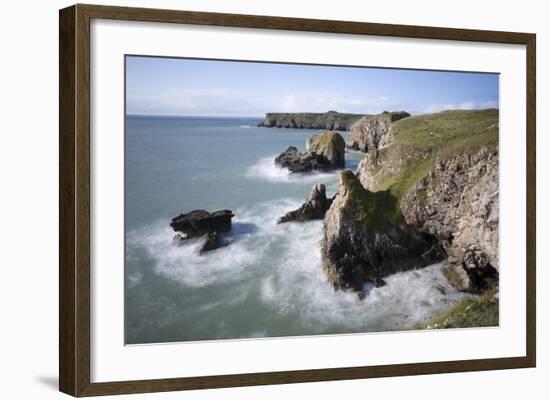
{"x": 457, "y": 202}
{"x": 326, "y": 151}
{"x": 201, "y": 223}
{"x": 314, "y": 208}
{"x": 374, "y": 132}
{"x": 331, "y": 120}
{"x": 209, "y": 242}
{"x": 365, "y": 238}
{"x": 329, "y": 144}
{"x": 298, "y": 162}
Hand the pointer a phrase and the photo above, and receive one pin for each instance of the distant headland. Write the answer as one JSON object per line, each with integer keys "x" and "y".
{"x": 331, "y": 120}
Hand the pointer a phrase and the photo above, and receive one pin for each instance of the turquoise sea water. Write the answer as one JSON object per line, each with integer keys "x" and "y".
{"x": 268, "y": 281}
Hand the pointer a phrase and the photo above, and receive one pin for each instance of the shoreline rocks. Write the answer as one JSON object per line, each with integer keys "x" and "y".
{"x": 374, "y": 132}
{"x": 326, "y": 151}
{"x": 365, "y": 238}
{"x": 314, "y": 208}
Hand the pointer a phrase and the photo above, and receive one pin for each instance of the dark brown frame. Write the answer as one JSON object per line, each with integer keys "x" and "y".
{"x": 74, "y": 199}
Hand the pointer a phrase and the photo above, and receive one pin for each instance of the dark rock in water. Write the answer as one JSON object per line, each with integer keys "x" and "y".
{"x": 325, "y": 152}
{"x": 298, "y": 162}
{"x": 209, "y": 242}
{"x": 365, "y": 238}
{"x": 314, "y": 208}
{"x": 200, "y": 222}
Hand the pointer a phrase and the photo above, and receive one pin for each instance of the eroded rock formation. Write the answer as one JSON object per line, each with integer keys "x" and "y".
{"x": 365, "y": 237}
{"x": 314, "y": 208}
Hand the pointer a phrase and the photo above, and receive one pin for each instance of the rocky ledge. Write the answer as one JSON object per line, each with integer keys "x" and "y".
{"x": 331, "y": 120}
{"x": 325, "y": 151}
{"x": 201, "y": 223}
{"x": 365, "y": 238}
{"x": 314, "y": 208}
{"x": 374, "y": 132}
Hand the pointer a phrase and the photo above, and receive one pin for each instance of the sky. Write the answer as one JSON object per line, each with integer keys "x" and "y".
{"x": 180, "y": 87}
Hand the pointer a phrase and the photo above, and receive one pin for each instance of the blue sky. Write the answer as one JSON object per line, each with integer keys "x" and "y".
{"x": 169, "y": 86}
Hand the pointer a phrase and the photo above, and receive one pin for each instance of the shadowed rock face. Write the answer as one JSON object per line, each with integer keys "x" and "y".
{"x": 314, "y": 208}
{"x": 365, "y": 238}
{"x": 200, "y": 222}
{"x": 373, "y": 132}
{"x": 326, "y": 151}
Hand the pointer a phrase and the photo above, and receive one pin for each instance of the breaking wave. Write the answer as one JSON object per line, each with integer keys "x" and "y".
{"x": 275, "y": 272}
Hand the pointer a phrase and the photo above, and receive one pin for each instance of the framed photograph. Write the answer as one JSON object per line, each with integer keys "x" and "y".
{"x": 250, "y": 200}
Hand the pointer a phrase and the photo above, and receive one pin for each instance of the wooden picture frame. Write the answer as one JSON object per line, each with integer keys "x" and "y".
{"x": 74, "y": 199}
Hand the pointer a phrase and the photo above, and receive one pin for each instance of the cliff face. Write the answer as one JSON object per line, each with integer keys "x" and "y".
{"x": 457, "y": 202}
{"x": 442, "y": 170}
{"x": 365, "y": 238}
{"x": 374, "y": 132}
{"x": 331, "y": 120}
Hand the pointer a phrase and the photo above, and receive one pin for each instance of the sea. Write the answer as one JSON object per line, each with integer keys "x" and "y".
{"x": 267, "y": 281}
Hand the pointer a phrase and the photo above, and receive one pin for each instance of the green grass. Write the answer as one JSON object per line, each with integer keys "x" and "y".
{"x": 448, "y": 131}
{"x": 471, "y": 312}
{"x": 375, "y": 209}
{"x": 419, "y": 140}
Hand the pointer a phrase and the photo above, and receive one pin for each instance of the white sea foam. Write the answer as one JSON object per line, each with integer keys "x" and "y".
{"x": 278, "y": 268}
{"x": 265, "y": 169}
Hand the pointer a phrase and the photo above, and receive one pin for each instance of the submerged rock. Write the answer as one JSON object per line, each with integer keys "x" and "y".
{"x": 200, "y": 222}
{"x": 365, "y": 238}
{"x": 314, "y": 208}
{"x": 374, "y": 132}
{"x": 326, "y": 151}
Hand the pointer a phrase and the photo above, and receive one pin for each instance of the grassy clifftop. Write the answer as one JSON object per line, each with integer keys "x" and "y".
{"x": 417, "y": 143}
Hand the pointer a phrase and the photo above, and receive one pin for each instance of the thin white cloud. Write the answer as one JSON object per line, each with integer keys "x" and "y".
{"x": 225, "y": 102}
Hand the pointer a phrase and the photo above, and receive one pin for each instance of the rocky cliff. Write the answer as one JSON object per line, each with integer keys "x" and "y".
{"x": 374, "y": 132}
{"x": 440, "y": 172}
{"x": 331, "y": 120}
{"x": 365, "y": 237}
{"x": 457, "y": 202}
